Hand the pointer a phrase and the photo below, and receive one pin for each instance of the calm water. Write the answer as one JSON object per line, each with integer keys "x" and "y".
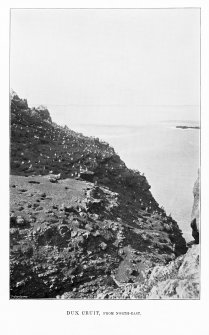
{"x": 168, "y": 157}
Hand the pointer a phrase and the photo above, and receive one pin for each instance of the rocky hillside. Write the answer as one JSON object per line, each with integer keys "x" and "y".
{"x": 82, "y": 224}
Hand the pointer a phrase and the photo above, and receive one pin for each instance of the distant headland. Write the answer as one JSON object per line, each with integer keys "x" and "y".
{"x": 188, "y": 127}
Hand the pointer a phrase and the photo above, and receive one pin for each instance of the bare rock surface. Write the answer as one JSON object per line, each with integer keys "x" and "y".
{"x": 183, "y": 278}
{"x": 195, "y": 218}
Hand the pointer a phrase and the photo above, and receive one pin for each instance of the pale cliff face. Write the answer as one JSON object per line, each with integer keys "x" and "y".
{"x": 195, "y": 217}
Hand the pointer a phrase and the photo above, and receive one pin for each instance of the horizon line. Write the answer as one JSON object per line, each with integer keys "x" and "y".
{"x": 119, "y": 105}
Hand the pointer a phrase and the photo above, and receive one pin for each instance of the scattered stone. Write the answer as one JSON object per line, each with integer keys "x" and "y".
{"x": 103, "y": 246}
{"x": 89, "y": 227}
{"x": 53, "y": 180}
{"x": 97, "y": 233}
{"x": 74, "y": 233}
{"x": 20, "y": 220}
{"x": 13, "y": 231}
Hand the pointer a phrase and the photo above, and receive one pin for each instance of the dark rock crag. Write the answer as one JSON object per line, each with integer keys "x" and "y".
{"x": 82, "y": 225}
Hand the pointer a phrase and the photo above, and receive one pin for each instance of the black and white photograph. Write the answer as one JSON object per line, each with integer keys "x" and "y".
{"x": 105, "y": 170}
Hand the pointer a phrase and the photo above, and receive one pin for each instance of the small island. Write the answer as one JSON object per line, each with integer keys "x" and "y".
{"x": 188, "y": 127}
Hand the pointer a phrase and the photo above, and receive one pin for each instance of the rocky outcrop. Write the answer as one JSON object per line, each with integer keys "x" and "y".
{"x": 21, "y": 111}
{"x": 179, "y": 280}
{"x": 82, "y": 224}
{"x": 42, "y": 113}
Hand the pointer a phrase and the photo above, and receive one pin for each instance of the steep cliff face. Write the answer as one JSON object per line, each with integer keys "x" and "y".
{"x": 180, "y": 279}
{"x": 195, "y": 218}
{"x": 81, "y": 222}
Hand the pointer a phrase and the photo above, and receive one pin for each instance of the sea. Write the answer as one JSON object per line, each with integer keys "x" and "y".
{"x": 168, "y": 156}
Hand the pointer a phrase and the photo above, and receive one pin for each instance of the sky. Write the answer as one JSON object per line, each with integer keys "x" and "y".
{"x": 107, "y": 66}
